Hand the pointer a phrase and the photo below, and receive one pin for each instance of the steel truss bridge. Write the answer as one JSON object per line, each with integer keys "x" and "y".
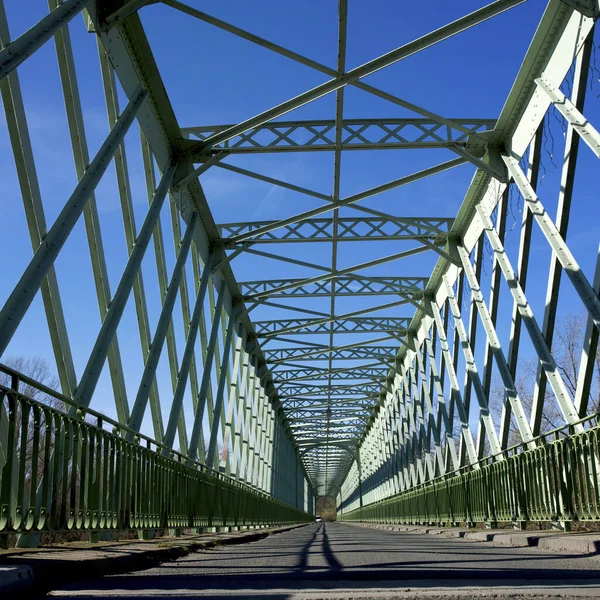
{"x": 271, "y": 368}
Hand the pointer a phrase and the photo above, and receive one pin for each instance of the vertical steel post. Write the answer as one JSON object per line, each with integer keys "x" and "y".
{"x": 469, "y": 384}
{"x": 247, "y": 438}
{"x": 441, "y": 403}
{"x": 458, "y": 403}
{"x": 589, "y": 355}
{"x": 472, "y": 367}
{"x": 432, "y": 424}
{"x": 127, "y": 211}
{"x": 81, "y": 158}
{"x": 97, "y": 357}
{"x": 534, "y": 161}
{"x": 567, "y": 182}
{"x": 208, "y": 363}
{"x": 186, "y": 360}
{"x": 545, "y": 355}
{"x": 496, "y": 348}
{"x": 25, "y": 45}
{"x": 23, "y": 294}
{"x": 216, "y": 421}
{"x": 20, "y": 139}
{"x": 141, "y": 400}
{"x": 236, "y": 396}
{"x": 555, "y": 239}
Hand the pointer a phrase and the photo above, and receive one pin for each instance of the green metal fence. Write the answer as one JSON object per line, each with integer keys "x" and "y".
{"x": 67, "y": 469}
{"x": 557, "y": 481}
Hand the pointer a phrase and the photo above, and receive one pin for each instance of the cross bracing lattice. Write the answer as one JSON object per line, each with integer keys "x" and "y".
{"x": 350, "y": 229}
{"x": 356, "y": 134}
{"x": 348, "y": 285}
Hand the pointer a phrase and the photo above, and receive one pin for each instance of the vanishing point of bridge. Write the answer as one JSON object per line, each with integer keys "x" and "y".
{"x": 415, "y": 336}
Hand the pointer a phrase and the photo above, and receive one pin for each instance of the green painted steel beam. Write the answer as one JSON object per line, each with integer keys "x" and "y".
{"x": 349, "y": 229}
{"x": 362, "y": 352}
{"x": 350, "y": 285}
{"x": 400, "y": 53}
{"x": 351, "y": 322}
{"x": 356, "y": 134}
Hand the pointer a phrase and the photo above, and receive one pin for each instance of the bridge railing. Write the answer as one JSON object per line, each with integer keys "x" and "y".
{"x": 63, "y": 468}
{"x": 558, "y": 481}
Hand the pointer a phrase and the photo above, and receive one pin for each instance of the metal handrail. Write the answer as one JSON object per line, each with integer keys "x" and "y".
{"x": 17, "y": 376}
{"x": 558, "y": 480}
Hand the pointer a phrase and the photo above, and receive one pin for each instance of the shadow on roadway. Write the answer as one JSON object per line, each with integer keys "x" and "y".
{"x": 319, "y": 559}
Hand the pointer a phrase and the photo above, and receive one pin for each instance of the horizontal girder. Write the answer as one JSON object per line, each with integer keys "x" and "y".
{"x": 319, "y": 446}
{"x": 334, "y": 434}
{"x": 320, "y": 426}
{"x": 296, "y": 390}
{"x": 333, "y": 422}
{"x": 334, "y": 418}
{"x": 277, "y": 327}
{"x": 348, "y": 285}
{"x": 300, "y": 414}
{"x": 357, "y": 134}
{"x": 328, "y": 433}
{"x": 310, "y": 373}
{"x": 362, "y": 352}
{"x": 325, "y": 405}
{"x": 313, "y": 426}
{"x": 348, "y": 229}
{"x": 337, "y": 437}
{"x": 356, "y": 404}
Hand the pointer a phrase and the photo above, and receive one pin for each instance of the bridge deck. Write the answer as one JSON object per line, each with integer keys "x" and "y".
{"x": 342, "y": 560}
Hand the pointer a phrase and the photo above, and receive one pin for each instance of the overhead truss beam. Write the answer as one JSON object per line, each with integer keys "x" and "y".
{"x": 350, "y": 229}
{"x": 350, "y": 285}
{"x": 356, "y": 134}
{"x": 278, "y": 327}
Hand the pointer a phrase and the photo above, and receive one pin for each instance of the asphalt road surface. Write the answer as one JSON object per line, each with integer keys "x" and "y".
{"x": 334, "y": 560}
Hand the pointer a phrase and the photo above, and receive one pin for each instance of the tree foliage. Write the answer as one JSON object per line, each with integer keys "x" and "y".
{"x": 567, "y": 349}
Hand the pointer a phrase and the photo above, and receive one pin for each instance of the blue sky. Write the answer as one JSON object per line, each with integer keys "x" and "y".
{"x": 212, "y": 77}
